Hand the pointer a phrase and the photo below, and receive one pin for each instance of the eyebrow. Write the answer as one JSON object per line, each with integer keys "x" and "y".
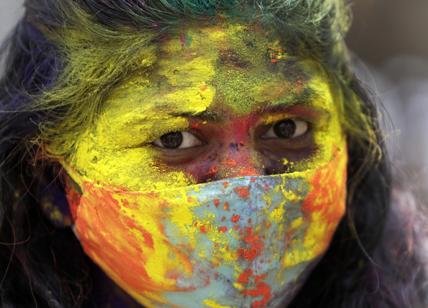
{"x": 213, "y": 116}
{"x": 306, "y": 98}
{"x": 206, "y": 115}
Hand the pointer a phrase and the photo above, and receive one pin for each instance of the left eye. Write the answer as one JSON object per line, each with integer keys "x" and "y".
{"x": 177, "y": 140}
{"x": 287, "y": 129}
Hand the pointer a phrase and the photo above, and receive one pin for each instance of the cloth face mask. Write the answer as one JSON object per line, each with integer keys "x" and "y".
{"x": 238, "y": 242}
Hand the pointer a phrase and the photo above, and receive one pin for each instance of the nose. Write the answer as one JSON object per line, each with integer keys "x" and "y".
{"x": 238, "y": 159}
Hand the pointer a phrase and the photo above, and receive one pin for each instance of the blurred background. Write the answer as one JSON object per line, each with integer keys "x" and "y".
{"x": 389, "y": 37}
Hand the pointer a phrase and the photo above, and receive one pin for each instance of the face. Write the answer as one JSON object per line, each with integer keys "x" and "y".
{"x": 217, "y": 175}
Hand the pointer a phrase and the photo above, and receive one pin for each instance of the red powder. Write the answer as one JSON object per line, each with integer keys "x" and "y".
{"x": 235, "y": 218}
{"x": 222, "y": 229}
{"x": 255, "y": 244}
{"x": 259, "y": 278}
{"x": 229, "y": 162}
{"x": 216, "y": 202}
{"x": 245, "y": 276}
{"x": 213, "y": 170}
{"x": 203, "y": 229}
{"x": 261, "y": 288}
{"x": 243, "y": 192}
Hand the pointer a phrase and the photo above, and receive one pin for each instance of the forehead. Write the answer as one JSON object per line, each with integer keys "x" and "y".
{"x": 231, "y": 67}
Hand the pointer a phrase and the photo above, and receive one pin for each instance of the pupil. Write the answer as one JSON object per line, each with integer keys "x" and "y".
{"x": 172, "y": 140}
{"x": 285, "y": 129}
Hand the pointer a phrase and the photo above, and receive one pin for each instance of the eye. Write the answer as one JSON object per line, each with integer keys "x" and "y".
{"x": 177, "y": 140}
{"x": 287, "y": 129}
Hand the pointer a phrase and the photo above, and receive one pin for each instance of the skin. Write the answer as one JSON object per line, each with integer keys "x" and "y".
{"x": 225, "y": 86}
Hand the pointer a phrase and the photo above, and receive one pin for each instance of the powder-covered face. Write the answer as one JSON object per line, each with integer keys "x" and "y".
{"x": 228, "y": 108}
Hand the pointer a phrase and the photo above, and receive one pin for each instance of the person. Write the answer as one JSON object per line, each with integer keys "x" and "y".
{"x": 196, "y": 154}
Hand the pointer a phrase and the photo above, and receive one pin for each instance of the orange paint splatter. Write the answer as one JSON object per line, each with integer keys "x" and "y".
{"x": 226, "y": 206}
{"x": 203, "y": 87}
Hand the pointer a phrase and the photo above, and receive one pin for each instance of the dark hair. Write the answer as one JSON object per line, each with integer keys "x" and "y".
{"x": 42, "y": 87}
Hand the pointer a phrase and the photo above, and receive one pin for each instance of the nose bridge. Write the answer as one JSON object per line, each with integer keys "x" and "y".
{"x": 238, "y": 157}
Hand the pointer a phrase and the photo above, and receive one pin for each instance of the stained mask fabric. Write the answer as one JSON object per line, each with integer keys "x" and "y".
{"x": 239, "y": 242}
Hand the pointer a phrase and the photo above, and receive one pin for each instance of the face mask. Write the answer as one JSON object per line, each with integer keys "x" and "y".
{"x": 238, "y": 242}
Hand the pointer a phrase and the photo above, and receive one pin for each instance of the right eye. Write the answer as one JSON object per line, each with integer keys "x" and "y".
{"x": 177, "y": 140}
{"x": 288, "y": 129}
